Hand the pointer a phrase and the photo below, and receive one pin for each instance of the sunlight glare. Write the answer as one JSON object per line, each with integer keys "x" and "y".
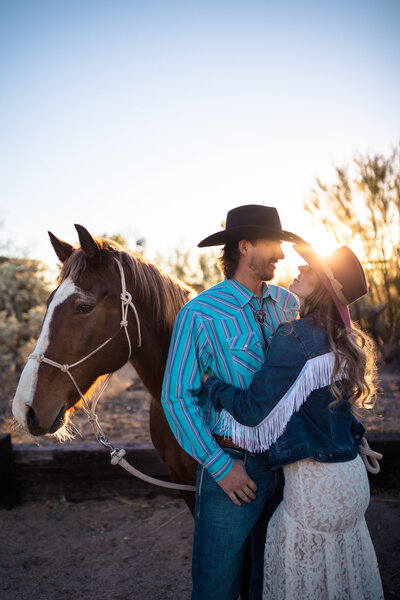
{"x": 324, "y": 242}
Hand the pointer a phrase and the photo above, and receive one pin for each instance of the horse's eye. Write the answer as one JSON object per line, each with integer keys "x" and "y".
{"x": 84, "y": 308}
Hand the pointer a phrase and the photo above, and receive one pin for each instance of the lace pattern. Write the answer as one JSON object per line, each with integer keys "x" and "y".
{"x": 318, "y": 545}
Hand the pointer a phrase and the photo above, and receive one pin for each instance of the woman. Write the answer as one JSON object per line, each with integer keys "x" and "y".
{"x": 300, "y": 407}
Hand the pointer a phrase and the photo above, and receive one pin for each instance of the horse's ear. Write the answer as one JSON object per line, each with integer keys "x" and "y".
{"x": 88, "y": 244}
{"x": 62, "y": 249}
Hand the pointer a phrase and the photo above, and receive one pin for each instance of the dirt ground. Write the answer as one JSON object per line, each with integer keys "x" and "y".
{"x": 121, "y": 549}
{"x": 115, "y": 550}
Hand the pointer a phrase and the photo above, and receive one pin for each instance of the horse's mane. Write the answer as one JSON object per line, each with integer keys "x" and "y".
{"x": 150, "y": 285}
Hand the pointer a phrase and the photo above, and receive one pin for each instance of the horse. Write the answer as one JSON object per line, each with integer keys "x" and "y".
{"x": 82, "y": 313}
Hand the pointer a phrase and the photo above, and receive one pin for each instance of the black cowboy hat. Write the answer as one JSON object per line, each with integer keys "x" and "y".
{"x": 250, "y": 221}
{"x": 341, "y": 273}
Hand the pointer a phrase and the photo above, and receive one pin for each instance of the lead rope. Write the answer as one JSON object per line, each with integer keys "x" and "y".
{"x": 117, "y": 455}
{"x": 370, "y": 458}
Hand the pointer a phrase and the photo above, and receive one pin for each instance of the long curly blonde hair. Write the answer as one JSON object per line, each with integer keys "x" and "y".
{"x": 355, "y": 352}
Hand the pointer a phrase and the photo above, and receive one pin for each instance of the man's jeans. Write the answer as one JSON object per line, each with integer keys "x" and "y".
{"x": 222, "y": 530}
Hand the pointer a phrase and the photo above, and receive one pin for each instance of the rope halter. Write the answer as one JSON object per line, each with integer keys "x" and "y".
{"x": 126, "y": 302}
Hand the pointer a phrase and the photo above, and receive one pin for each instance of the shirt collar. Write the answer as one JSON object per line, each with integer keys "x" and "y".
{"x": 243, "y": 295}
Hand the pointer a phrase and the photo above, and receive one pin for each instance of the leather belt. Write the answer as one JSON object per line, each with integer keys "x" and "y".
{"x": 226, "y": 442}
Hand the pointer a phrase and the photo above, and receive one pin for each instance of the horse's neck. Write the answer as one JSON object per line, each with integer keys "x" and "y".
{"x": 149, "y": 361}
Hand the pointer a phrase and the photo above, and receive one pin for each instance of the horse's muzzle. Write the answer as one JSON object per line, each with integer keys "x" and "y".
{"x": 36, "y": 429}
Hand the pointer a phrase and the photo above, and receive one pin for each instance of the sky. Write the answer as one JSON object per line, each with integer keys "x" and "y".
{"x": 152, "y": 119}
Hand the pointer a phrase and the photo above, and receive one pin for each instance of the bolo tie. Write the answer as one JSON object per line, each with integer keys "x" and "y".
{"x": 260, "y": 314}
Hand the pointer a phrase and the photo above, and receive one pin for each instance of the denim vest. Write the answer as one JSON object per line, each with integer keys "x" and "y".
{"x": 287, "y": 408}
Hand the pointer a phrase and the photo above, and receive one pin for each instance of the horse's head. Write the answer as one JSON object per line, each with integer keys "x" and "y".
{"x": 82, "y": 313}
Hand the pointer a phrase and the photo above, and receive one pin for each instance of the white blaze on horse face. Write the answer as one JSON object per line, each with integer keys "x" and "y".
{"x": 28, "y": 380}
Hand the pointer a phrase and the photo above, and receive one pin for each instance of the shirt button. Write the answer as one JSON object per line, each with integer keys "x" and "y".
{"x": 319, "y": 454}
{"x": 245, "y": 346}
{"x": 330, "y": 455}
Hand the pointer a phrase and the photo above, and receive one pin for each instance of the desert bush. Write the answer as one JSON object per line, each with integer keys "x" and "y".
{"x": 23, "y": 292}
{"x": 199, "y": 273}
{"x": 362, "y": 207}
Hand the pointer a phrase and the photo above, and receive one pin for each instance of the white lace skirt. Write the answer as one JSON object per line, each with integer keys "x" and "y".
{"x": 318, "y": 545}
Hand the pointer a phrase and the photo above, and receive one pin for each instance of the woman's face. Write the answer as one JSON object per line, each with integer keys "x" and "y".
{"x": 305, "y": 282}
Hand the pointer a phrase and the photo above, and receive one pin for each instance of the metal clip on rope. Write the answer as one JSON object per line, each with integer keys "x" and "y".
{"x": 104, "y": 441}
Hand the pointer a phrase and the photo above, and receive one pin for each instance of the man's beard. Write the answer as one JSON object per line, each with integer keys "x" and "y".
{"x": 262, "y": 268}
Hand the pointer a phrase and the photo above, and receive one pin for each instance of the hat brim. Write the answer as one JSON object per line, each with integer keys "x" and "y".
{"x": 315, "y": 261}
{"x": 243, "y": 233}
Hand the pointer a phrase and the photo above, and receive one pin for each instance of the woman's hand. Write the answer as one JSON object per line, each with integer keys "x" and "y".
{"x": 205, "y": 377}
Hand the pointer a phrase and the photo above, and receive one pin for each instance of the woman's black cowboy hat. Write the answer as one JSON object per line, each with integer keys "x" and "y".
{"x": 250, "y": 221}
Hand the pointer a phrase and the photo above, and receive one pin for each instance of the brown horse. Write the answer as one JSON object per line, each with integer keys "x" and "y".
{"x": 84, "y": 311}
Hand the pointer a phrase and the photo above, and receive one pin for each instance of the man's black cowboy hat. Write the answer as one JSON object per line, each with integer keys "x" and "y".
{"x": 250, "y": 221}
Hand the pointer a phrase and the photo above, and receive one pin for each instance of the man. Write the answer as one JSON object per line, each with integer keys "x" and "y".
{"x": 226, "y": 330}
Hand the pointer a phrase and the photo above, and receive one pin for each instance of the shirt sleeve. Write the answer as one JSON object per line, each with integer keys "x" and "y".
{"x": 182, "y": 383}
{"x": 284, "y": 361}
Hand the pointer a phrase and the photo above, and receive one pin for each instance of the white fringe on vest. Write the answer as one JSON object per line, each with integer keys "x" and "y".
{"x": 316, "y": 374}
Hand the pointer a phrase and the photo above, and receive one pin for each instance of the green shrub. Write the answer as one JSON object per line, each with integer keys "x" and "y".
{"x": 23, "y": 292}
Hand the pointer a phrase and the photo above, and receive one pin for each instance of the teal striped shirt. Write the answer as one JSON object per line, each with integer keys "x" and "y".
{"x": 217, "y": 331}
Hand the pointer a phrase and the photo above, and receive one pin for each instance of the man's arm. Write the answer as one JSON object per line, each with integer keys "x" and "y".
{"x": 284, "y": 362}
{"x": 185, "y": 367}
{"x": 181, "y": 385}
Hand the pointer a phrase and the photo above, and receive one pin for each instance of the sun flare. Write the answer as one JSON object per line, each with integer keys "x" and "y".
{"x": 324, "y": 243}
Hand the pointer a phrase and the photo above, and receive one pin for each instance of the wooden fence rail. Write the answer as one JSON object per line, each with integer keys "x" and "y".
{"x": 82, "y": 471}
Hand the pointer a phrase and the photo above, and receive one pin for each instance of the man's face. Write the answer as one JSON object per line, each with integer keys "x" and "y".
{"x": 263, "y": 256}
